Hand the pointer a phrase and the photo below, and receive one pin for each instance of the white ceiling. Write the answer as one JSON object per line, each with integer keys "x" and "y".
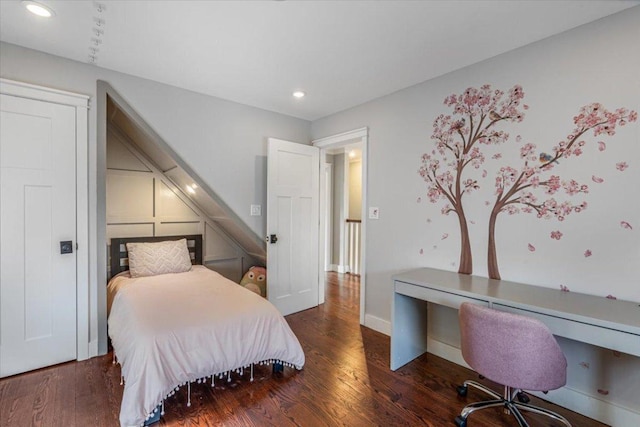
{"x": 341, "y": 53}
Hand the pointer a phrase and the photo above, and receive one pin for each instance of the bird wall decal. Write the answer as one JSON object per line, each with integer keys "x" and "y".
{"x": 546, "y": 158}
{"x": 494, "y": 116}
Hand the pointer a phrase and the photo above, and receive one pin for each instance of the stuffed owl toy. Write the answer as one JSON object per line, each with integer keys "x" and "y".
{"x": 256, "y": 280}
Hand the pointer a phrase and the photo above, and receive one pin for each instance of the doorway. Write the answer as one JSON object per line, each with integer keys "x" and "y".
{"x": 347, "y": 245}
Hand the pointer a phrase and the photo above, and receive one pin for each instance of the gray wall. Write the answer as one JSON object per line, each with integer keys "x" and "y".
{"x": 595, "y": 62}
{"x": 222, "y": 141}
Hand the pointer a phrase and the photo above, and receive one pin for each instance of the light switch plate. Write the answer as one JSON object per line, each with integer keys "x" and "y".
{"x": 374, "y": 213}
{"x": 256, "y": 210}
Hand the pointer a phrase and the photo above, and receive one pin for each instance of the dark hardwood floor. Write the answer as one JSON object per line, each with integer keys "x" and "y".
{"x": 346, "y": 382}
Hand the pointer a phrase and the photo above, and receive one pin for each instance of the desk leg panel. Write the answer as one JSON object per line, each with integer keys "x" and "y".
{"x": 408, "y": 329}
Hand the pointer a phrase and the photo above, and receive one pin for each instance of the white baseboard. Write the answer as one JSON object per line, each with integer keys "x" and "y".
{"x": 339, "y": 268}
{"x": 93, "y": 348}
{"x": 446, "y": 351}
{"x": 589, "y": 406}
{"x": 377, "y": 324}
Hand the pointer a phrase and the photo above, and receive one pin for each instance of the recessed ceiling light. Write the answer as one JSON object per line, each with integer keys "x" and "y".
{"x": 299, "y": 94}
{"x": 38, "y": 9}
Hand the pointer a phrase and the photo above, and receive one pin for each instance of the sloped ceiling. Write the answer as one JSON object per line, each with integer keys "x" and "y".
{"x": 342, "y": 53}
{"x": 203, "y": 196}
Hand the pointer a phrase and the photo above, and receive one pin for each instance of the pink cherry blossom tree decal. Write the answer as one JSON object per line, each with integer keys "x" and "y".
{"x": 516, "y": 188}
{"x": 477, "y": 114}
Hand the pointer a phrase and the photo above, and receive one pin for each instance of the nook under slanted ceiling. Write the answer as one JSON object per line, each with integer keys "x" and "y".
{"x": 143, "y": 141}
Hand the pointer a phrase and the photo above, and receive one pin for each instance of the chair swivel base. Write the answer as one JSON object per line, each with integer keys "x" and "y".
{"x": 508, "y": 402}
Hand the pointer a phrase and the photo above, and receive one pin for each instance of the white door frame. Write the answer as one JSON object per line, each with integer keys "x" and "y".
{"x": 81, "y": 104}
{"x": 326, "y": 219}
{"x": 336, "y": 141}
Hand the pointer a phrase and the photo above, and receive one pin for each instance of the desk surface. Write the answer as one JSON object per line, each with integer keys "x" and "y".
{"x": 608, "y": 313}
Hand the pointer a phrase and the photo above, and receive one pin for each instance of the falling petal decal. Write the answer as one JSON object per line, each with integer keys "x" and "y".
{"x": 421, "y": 251}
{"x": 587, "y": 253}
{"x": 557, "y": 235}
{"x": 625, "y": 224}
{"x": 602, "y": 146}
{"x": 563, "y": 288}
{"x": 531, "y": 247}
{"x": 444, "y": 236}
{"x": 611, "y": 297}
{"x": 585, "y": 365}
{"x": 603, "y": 391}
{"x": 597, "y": 179}
{"x": 622, "y": 166}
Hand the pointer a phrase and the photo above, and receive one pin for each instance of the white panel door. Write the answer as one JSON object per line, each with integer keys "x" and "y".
{"x": 293, "y": 172}
{"x": 38, "y": 211}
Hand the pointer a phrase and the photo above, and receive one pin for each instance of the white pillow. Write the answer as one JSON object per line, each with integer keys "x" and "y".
{"x": 149, "y": 259}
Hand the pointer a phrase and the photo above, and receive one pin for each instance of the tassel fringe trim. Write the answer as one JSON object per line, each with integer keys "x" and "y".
{"x": 203, "y": 380}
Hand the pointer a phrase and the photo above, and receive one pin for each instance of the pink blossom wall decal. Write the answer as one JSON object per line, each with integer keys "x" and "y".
{"x": 444, "y": 236}
{"x": 625, "y": 224}
{"x": 611, "y": 297}
{"x": 518, "y": 189}
{"x": 596, "y": 179}
{"x": 621, "y": 166}
{"x": 563, "y": 288}
{"x": 557, "y": 235}
{"x": 474, "y": 122}
{"x": 460, "y": 138}
{"x": 587, "y": 253}
{"x": 531, "y": 247}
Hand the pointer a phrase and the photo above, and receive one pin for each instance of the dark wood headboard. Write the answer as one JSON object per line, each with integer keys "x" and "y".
{"x": 120, "y": 257}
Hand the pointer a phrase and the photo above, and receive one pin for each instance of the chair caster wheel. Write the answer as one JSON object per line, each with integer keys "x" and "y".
{"x": 462, "y": 390}
{"x": 461, "y": 422}
{"x": 523, "y": 398}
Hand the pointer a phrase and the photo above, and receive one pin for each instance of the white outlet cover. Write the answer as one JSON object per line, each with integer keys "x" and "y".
{"x": 374, "y": 213}
{"x": 256, "y": 210}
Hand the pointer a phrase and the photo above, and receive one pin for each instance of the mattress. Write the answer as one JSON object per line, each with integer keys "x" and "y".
{"x": 172, "y": 329}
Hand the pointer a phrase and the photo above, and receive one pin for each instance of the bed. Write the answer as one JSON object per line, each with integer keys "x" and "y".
{"x": 171, "y": 329}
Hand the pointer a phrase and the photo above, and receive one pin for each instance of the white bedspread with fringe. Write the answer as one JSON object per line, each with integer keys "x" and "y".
{"x": 173, "y": 329}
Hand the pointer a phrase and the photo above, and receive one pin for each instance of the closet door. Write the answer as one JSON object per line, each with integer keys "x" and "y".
{"x": 38, "y": 212}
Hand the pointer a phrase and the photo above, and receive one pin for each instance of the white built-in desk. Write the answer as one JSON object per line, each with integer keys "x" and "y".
{"x": 603, "y": 322}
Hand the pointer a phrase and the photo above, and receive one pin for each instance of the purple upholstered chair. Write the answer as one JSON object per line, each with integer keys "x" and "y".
{"x": 516, "y": 351}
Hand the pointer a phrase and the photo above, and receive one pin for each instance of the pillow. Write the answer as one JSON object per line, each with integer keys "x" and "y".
{"x": 149, "y": 259}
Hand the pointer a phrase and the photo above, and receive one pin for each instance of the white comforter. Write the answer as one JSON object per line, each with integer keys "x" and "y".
{"x": 173, "y": 328}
